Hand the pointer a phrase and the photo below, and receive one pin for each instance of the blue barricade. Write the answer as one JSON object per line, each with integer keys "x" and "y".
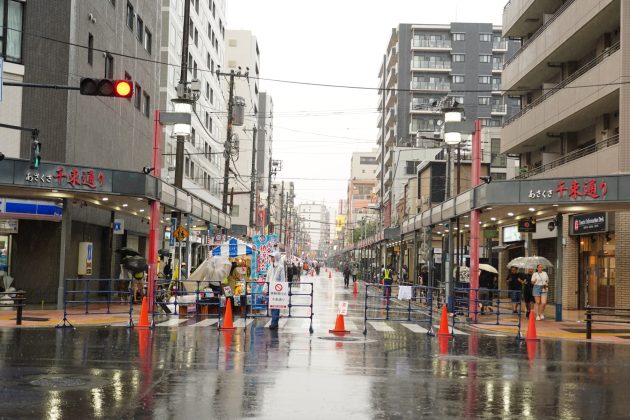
{"x": 299, "y": 300}
{"x": 420, "y": 304}
{"x": 187, "y": 297}
{"x": 98, "y": 296}
{"x": 489, "y": 307}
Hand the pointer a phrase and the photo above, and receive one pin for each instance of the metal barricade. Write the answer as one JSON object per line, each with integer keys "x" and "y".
{"x": 258, "y": 295}
{"x": 605, "y": 315}
{"x": 179, "y": 297}
{"x": 15, "y": 300}
{"x": 500, "y": 302}
{"x": 97, "y": 296}
{"x": 381, "y": 304}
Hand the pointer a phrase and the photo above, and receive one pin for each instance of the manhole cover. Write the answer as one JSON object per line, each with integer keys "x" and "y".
{"x": 67, "y": 381}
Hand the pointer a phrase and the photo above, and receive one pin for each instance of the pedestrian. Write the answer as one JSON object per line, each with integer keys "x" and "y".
{"x": 514, "y": 287}
{"x": 275, "y": 273}
{"x": 528, "y": 293}
{"x": 405, "y": 274}
{"x": 387, "y": 281}
{"x": 486, "y": 283}
{"x": 540, "y": 281}
{"x": 354, "y": 272}
{"x": 346, "y": 276}
{"x": 290, "y": 273}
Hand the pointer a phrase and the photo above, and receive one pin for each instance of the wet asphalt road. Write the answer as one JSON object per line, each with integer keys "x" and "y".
{"x": 197, "y": 372}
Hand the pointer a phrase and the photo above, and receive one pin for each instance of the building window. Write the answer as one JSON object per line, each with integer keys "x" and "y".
{"x": 90, "y": 49}
{"x": 11, "y": 15}
{"x": 146, "y": 106}
{"x": 207, "y": 90}
{"x": 196, "y": 6}
{"x": 485, "y": 58}
{"x": 459, "y": 79}
{"x": 211, "y": 96}
{"x": 137, "y": 96}
{"x": 235, "y": 210}
{"x": 485, "y": 37}
{"x": 130, "y": 16}
{"x": 208, "y": 60}
{"x": 484, "y": 100}
{"x": 148, "y": 40}
{"x": 109, "y": 66}
{"x": 458, "y": 99}
{"x": 193, "y": 134}
{"x": 196, "y": 37}
{"x": 485, "y": 80}
{"x": 140, "y": 28}
{"x": 459, "y": 37}
{"x": 187, "y": 167}
{"x": 194, "y": 69}
{"x": 459, "y": 58}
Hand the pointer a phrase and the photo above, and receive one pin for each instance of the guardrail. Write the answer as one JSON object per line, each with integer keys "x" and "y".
{"x": 258, "y": 295}
{"x": 382, "y": 304}
{"x": 97, "y": 296}
{"x": 16, "y": 300}
{"x": 499, "y": 300}
{"x": 605, "y": 315}
{"x": 184, "y": 297}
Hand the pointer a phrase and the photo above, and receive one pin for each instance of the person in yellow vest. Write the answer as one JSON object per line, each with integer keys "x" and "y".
{"x": 387, "y": 281}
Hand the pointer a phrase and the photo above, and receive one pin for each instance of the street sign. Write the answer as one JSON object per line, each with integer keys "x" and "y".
{"x": 171, "y": 240}
{"x": 181, "y": 233}
{"x": 343, "y": 308}
{"x": 279, "y": 295}
{"x": 119, "y": 226}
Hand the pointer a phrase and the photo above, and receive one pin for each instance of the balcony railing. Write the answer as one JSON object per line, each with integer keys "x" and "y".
{"x": 497, "y": 66}
{"x": 501, "y": 108}
{"x": 431, "y": 43}
{"x": 425, "y": 64}
{"x": 496, "y": 87}
{"x": 430, "y": 85}
{"x": 576, "y": 154}
{"x": 499, "y": 45}
{"x": 539, "y": 31}
{"x": 499, "y": 161}
{"x": 550, "y": 92}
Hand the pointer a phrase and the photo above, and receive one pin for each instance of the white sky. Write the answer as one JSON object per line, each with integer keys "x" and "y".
{"x": 339, "y": 42}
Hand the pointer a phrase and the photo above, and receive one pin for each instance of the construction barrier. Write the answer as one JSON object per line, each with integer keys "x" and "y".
{"x": 97, "y": 296}
{"x": 419, "y": 304}
{"x": 182, "y": 298}
{"x": 605, "y": 315}
{"x": 15, "y": 300}
{"x": 300, "y": 305}
{"x": 498, "y": 303}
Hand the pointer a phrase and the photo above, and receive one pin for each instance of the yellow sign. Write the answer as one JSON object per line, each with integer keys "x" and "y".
{"x": 181, "y": 233}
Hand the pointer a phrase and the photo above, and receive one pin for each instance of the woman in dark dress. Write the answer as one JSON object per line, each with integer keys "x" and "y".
{"x": 515, "y": 284}
{"x": 528, "y": 288}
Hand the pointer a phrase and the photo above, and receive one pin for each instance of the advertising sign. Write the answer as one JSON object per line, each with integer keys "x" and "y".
{"x": 527, "y": 225}
{"x": 261, "y": 250}
{"x": 584, "y": 224}
{"x": 278, "y": 295}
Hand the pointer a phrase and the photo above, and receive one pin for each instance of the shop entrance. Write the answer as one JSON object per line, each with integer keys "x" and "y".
{"x": 597, "y": 271}
{"x": 5, "y": 254}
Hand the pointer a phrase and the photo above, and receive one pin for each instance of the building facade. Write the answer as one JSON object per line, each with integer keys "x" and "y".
{"x": 317, "y": 224}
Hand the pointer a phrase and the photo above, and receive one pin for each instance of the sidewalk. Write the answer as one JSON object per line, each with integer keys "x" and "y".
{"x": 32, "y": 317}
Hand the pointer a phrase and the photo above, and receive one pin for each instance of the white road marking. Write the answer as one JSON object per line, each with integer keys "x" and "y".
{"x": 240, "y": 323}
{"x": 454, "y": 330}
{"x": 172, "y": 322}
{"x": 281, "y": 323}
{"x": 415, "y": 328}
{"x": 205, "y": 323}
{"x": 381, "y": 326}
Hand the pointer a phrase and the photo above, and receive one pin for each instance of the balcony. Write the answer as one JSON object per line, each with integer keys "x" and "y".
{"x": 429, "y": 66}
{"x": 521, "y": 17}
{"x": 431, "y": 86}
{"x": 499, "y": 45}
{"x": 496, "y": 89}
{"x": 497, "y": 67}
{"x": 390, "y": 100}
{"x": 500, "y": 109}
{"x": 564, "y": 108}
{"x": 431, "y": 44}
{"x": 391, "y": 118}
{"x": 571, "y": 32}
{"x": 605, "y": 155}
{"x": 422, "y": 108}
{"x": 390, "y": 137}
{"x": 392, "y": 78}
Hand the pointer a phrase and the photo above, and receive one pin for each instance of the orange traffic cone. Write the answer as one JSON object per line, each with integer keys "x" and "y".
{"x": 330, "y": 275}
{"x": 531, "y": 328}
{"x": 227, "y": 319}
{"x": 444, "y": 322}
{"x": 144, "y": 314}
{"x": 443, "y": 342}
{"x": 340, "y": 326}
{"x": 354, "y": 289}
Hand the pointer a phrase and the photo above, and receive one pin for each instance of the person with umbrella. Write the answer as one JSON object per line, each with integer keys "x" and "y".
{"x": 515, "y": 287}
{"x": 540, "y": 280}
{"x": 528, "y": 291}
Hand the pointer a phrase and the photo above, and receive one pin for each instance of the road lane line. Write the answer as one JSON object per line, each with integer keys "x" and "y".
{"x": 172, "y": 322}
{"x": 415, "y": 328}
{"x": 205, "y": 323}
{"x": 381, "y": 326}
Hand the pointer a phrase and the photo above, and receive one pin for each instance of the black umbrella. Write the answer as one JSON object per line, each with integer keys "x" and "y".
{"x": 135, "y": 264}
{"x": 126, "y": 252}
{"x": 164, "y": 252}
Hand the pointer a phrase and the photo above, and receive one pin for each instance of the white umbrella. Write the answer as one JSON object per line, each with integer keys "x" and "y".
{"x": 488, "y": 268}
{"x": 534, "y": 261}
{"x": 518, "y": 262}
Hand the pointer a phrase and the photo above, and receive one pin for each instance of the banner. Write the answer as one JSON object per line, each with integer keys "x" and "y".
{"x": 262, "y": 249}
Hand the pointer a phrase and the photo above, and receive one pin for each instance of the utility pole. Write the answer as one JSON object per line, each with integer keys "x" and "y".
{"x": 228, "y": 143}
{"x": 281, "y": 212}
{"x": 252, "y": 196}
{"x": 268, "y": 215}
{"x": 181, "y": 89}
{"x": 382, "y": 207}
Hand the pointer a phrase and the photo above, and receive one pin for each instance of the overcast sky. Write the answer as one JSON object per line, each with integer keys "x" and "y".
{"x": 338, "y": 42}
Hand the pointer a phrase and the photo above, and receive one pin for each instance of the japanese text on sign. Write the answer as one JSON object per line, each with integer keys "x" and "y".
{"x": 343, "y": 308}
{"x": 573, "y": 190}
{"x": 278, "y": 295}
{"x": 74, "y": 178}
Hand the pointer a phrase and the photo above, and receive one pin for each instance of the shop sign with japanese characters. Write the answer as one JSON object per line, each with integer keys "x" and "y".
{"x": 570, "y": 190}
{"x": 64, "y": 177}
{"x": 278, "y": 295}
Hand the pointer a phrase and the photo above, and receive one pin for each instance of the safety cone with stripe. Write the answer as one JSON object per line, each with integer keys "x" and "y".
{"x": 444, "y": 323}
{"x": 340, "y": 326}
{"x": 531, "y": 328}
{"x": 228, "y": 323}
{"x": 144, "y": 315}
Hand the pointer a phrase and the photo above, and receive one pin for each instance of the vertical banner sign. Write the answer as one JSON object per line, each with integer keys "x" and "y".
{"x": 173, "y": 227}
{"x": 209, "y": 242}
{"x": 261, "y": 250}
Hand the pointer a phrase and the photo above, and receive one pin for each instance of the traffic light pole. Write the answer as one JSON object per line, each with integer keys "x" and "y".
{"x": 35, "y": 144}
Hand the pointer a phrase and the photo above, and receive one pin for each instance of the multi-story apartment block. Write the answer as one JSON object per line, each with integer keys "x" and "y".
{"x": 363, "y": 168}
{"x": 263, "y": 149}
{"x": 242, "y": 53}
{"x": 316, "y": 223}
{"x": 203, "y": 161}
{"x": 422, "y": 66}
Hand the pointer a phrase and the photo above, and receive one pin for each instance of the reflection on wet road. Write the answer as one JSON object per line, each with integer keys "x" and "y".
{"x": 394, "y": 372}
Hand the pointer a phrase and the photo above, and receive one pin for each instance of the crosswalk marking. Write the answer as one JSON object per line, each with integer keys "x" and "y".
{"x": 455, "y": 331}
{"x": 205, "y": 323}
{"x": 350, "y": 326}
{"x": 281, "y": 323}
{"x": 415, "y": 328}
{"x": 381, "y": 326}
{"x": 240, "y": 323}
{"x": 171, "y": 322}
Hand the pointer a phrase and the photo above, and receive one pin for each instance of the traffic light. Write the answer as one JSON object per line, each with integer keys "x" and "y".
{"x": 106, "y": 87}
{"x": 36, "y": 148}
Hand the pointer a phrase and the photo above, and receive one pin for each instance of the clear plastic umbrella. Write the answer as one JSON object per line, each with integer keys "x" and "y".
{"x": 530, "y": 262}
{"x": 518, "y": 262}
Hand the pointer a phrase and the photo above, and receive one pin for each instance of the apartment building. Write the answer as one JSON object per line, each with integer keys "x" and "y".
{"x": 574, "y": 128}
{"x": 316, "y": 223}
{"x": 423, "y": 65}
